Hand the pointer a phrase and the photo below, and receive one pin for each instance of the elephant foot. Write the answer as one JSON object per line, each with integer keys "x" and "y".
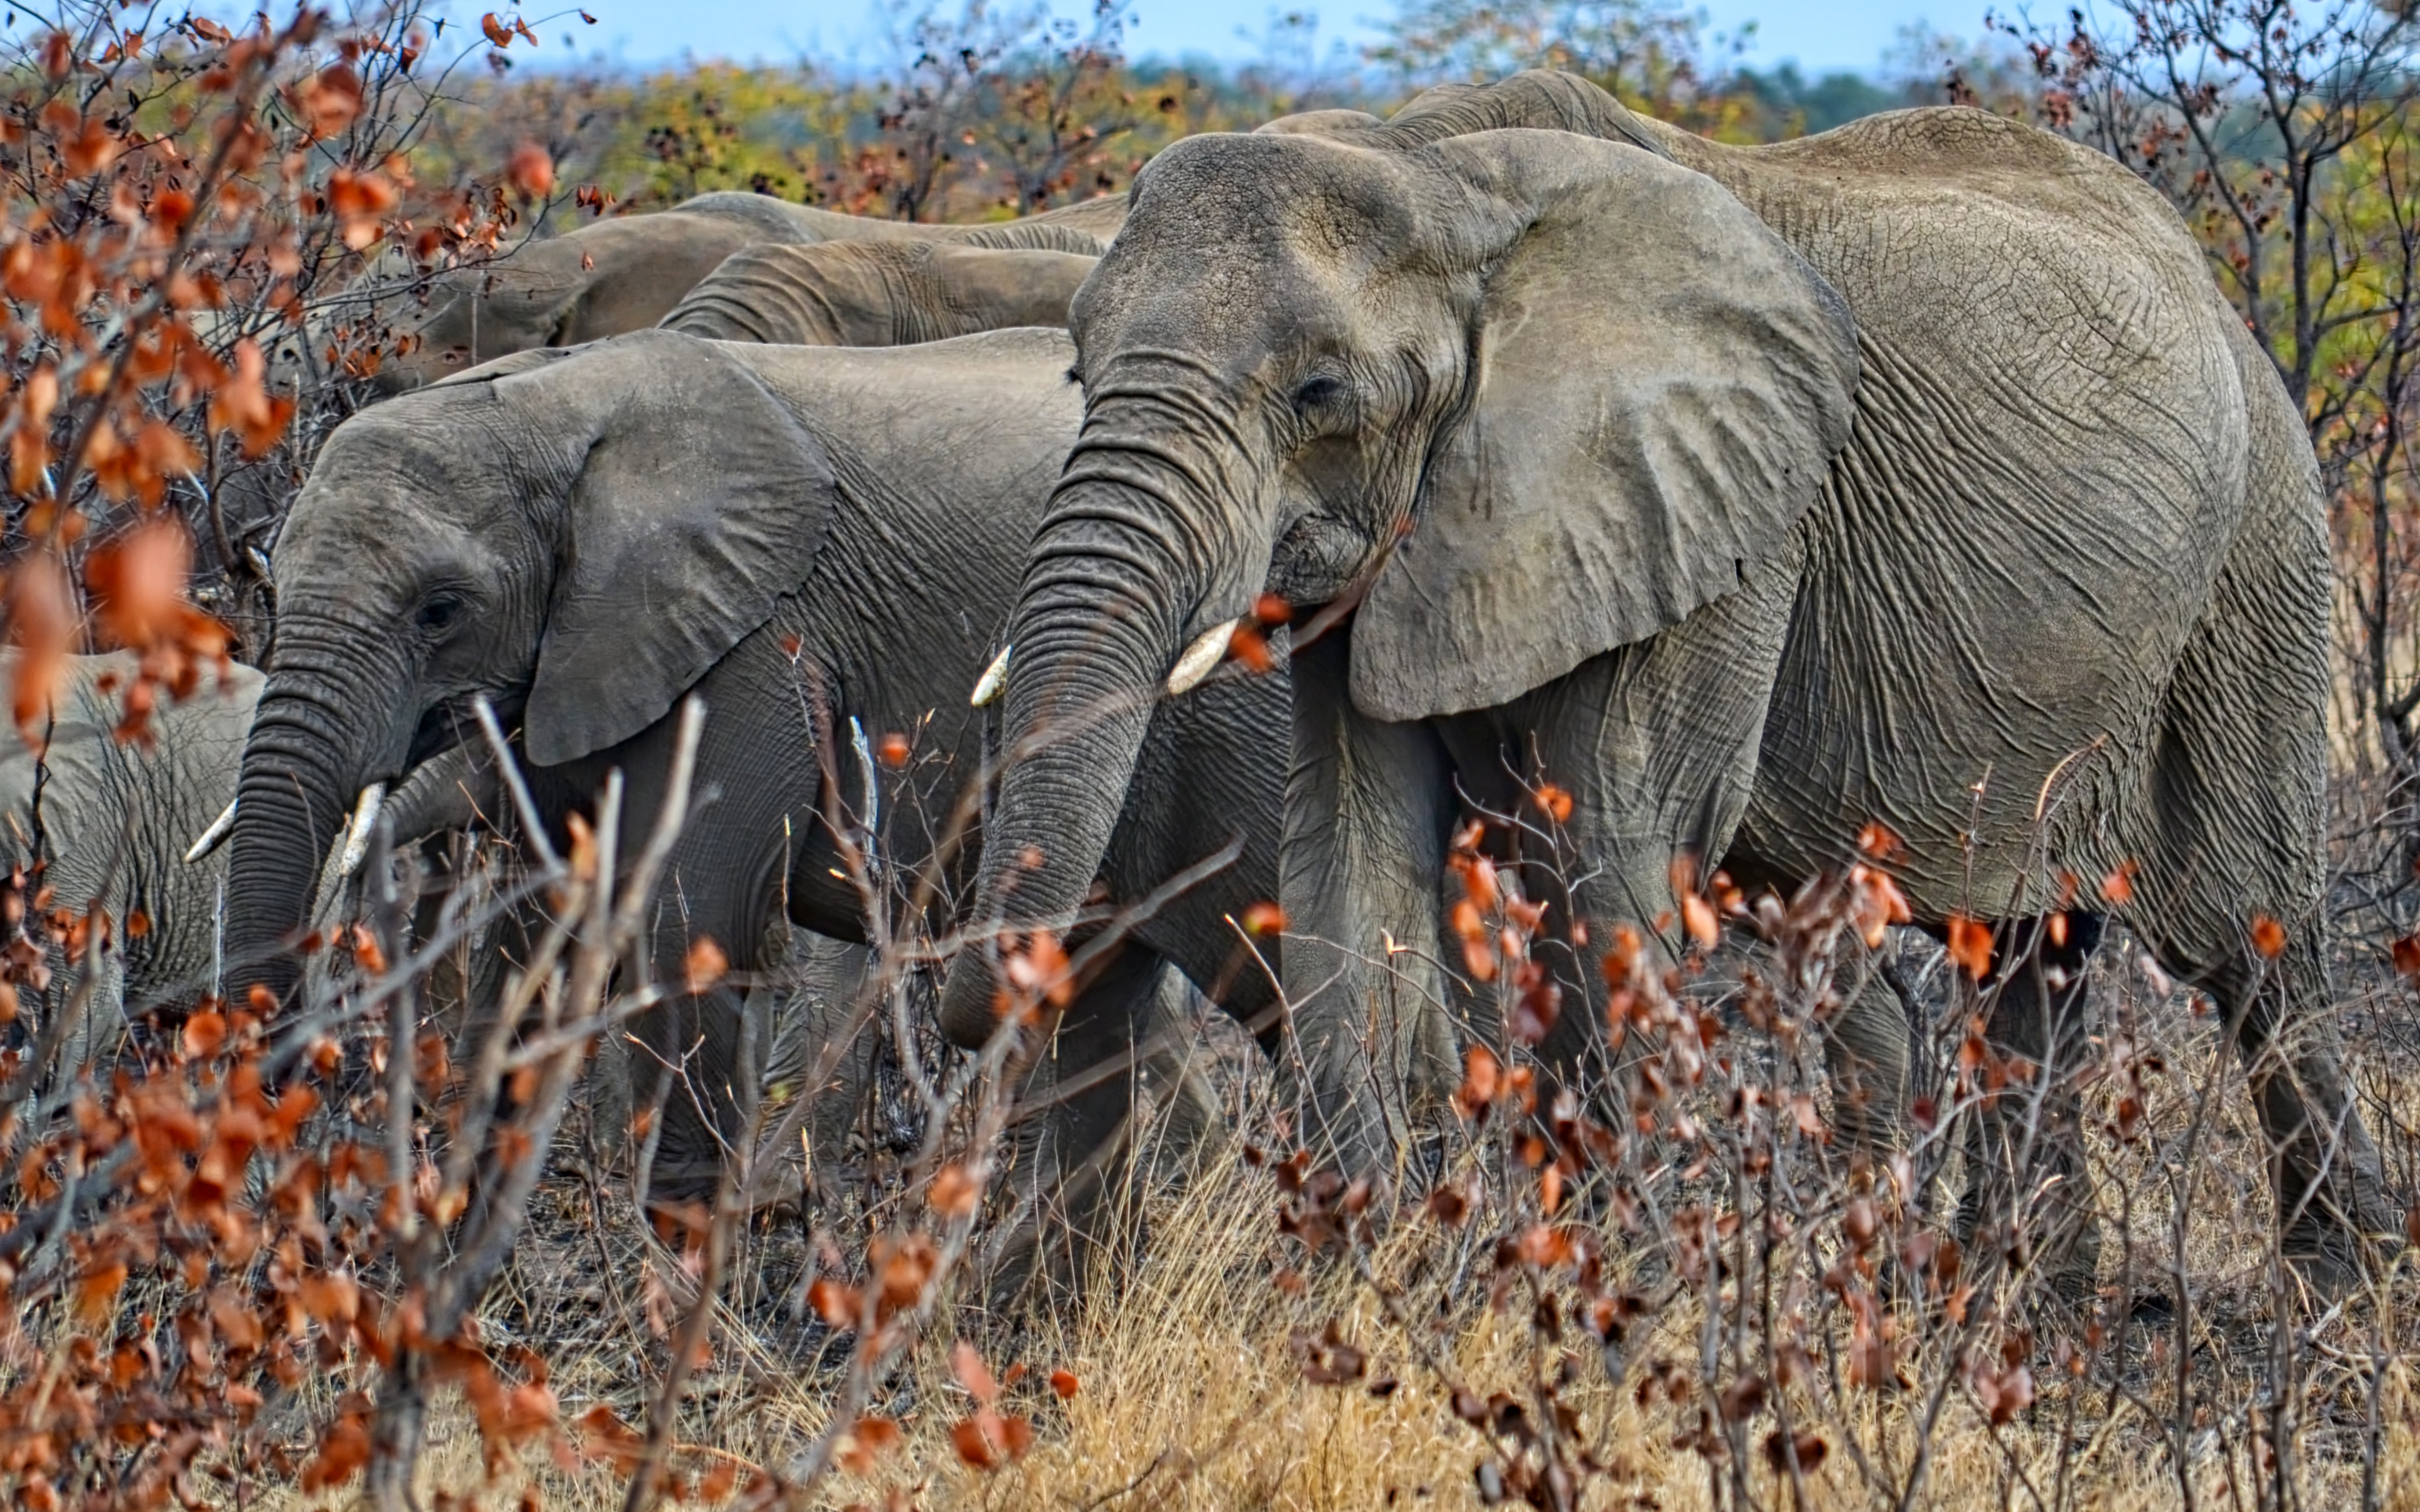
{"x": 2332, "y": 1259}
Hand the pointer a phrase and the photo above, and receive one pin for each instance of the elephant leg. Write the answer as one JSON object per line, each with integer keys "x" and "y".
{"x": 1369, "y": 805}
{"x": 2029, "y": 1189}
{"x": 803, "y": 1023}
{"x": 1071, "y": 1150}
{"x": 1868, "y": 1050}
{"x": 1655, "y": 744}
{"x": 693, "y": 1056}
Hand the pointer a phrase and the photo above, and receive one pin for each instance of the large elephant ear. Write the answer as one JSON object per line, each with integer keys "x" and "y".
{"x": 699, "y": 504}
{"x": 1659, "y": 385}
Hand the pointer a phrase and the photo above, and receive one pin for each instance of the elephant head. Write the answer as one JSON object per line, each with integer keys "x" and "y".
{"x": 598, "y": 281}
{"x": 1510, "y": 395}
{"x": 626, "y": 275}
{"x": 556, "y": 533}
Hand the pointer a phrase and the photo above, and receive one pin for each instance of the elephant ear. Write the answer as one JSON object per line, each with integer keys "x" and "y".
{"x": 1658, "y": 386}
{"x": 699, "y": 504}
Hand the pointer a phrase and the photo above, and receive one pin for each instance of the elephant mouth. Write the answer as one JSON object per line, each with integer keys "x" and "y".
{"x": 452, "y": 721}
{"x": 1320, "y": 559}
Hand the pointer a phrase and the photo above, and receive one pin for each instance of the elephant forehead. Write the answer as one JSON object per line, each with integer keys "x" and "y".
{"x": 1244, "y": 191}
{"x": 399, "y": 479}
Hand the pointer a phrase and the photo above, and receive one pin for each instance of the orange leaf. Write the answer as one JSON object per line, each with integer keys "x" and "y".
{"x": 98, "y": 1289}
{"x": 2268, "y": 936}
{"x": 706, "y": 964}
{"x": 1040, "y": 969}
{"x": 974, "y": 1373}
{"x": 530, "y": 171}
{"x": 893, "y": 749}
{"x": 987, "y": 1440}
{"x": 2118, "y": 886}
{"x": 1970, "y": 945}
{"x": 204, "y": 1033}
{"x": 497, "y": 31}
{"x": 1064, "y": 1382}
{"x": 836, "y": 1303}
{"x": 953, "y": 1192}
{"x": 1481, "y": 1080}
{"x": 1264, "y": 918}
{"x": 1698, "y": 915}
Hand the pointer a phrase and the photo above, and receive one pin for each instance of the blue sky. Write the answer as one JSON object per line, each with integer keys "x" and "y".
{"x": 1846, "y": 34}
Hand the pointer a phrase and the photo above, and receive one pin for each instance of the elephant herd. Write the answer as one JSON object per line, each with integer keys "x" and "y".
{"x": 1914, "y": 473}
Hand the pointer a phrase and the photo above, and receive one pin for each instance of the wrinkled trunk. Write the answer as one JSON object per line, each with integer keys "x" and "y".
{"x": 304, "y": 764}
{"x": 1108, "y": 591}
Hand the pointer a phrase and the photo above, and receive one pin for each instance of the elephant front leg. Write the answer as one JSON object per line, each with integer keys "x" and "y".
{"x": 1071, "y": 1147}
{"x": 1369, "y": 807}
{"x": 1606, "y": 775}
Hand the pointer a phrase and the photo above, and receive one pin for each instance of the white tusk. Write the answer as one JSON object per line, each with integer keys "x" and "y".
{"x": 357, "y": 836}
{"x": 214, "y": 836}
{"x": 1199, "y": 658}
{"x": 994, "y": 678}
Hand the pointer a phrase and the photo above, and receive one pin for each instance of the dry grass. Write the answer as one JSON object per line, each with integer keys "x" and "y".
{"x": 1192, "y": 1394}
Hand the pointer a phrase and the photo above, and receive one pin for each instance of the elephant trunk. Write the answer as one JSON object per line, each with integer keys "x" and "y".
{"x": 299, "y": 780}
{"x": 1102, "y": 620}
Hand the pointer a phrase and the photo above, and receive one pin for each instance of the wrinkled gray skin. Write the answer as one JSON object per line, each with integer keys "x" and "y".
{"x": 115, "y": 820}
{"x": 1913, "y": 472}
{"x": 626, "y": 275}
{"x": 878, "y": 293}
{"x": 586, "y": 536}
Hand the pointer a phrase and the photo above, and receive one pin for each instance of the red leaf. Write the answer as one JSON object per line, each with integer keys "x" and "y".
{"x": 953, "y": 1192}
{"x": 1064, "y": 1384}
{"x": 974, "y": 1373}
{"x": 530, "y": 171}
{"x": 706, "y": 964}
{"x": 1970, "y": 945}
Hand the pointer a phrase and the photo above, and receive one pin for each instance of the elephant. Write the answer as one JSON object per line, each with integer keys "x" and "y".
{"x": 626, "y": 274}
{"x": 821, "y": 545}
{"x": 877, "y": 293}
{"x": 1915, "y": 472}
{"x": 114, "y": 819}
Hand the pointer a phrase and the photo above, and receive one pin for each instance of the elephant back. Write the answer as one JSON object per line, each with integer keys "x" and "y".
{"x": 1035, "y": 235}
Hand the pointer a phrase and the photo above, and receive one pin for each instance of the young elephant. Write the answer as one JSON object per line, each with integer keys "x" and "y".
{"x": 821, "y": 543}
{"x": 626, "y": 275}
{"x": 115, "y": 821}
{"x": 878, "y": 293}
{"x": 1913, "y": 472}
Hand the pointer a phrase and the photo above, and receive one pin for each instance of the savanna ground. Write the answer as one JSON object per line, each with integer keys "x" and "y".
{"x": 419, "y": 1278}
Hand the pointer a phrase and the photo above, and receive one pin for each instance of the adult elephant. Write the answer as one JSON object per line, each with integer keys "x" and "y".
{"x": 1913, "y": 472}
{"x": 626, "y": 274}
{"x": 823, "y": 544}
{"x": 878, "y": 293}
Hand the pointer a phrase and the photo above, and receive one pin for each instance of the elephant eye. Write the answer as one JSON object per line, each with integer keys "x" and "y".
{"x": 1317, "y": 394}
{"x": 438, "y": 614}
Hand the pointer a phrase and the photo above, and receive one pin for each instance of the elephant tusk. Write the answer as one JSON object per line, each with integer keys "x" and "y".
{"x": 357, "y": 835}
{"x": 214, "y": 836}
{"x": 994, "y": 678}
{"x": 1201, "y": 658}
